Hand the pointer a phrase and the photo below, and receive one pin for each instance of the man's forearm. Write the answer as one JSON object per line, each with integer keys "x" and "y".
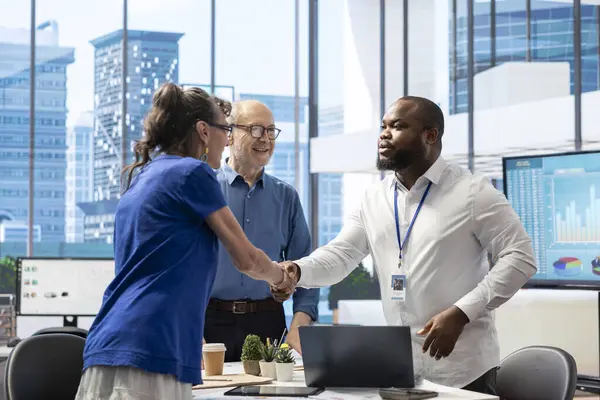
{"x": 331, "y": 263}
{"x": 315, "y": 275}
{"x": 300, "y": 319}
{"x": 293, "y": 337}
{"x": 498, "y": 286}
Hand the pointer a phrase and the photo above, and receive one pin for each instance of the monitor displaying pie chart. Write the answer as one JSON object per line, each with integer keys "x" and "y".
{"x": 568, "y": 266}
{"x": 596, "y": 265}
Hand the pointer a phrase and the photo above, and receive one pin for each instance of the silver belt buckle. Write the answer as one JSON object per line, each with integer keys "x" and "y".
{"x": 235, "y": 309}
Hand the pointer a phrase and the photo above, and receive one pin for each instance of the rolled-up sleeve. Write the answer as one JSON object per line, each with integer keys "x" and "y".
{"x": 500, "y": 231}
{"x": 299, "y": 245}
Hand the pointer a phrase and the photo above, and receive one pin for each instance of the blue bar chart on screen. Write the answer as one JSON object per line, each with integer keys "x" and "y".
{"x": 557, "y": 198}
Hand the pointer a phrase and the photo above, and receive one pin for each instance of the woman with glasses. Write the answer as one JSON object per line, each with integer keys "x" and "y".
{"x": 145, "y": 342}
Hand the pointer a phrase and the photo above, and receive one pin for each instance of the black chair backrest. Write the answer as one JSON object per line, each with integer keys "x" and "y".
{"x": 537, "y": 373}
{"x": 45, "y": 366}
{"x": 73, "y": 330}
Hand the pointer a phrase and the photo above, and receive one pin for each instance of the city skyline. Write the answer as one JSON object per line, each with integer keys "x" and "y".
{"x": 153, "y": 67}
{"x": 95, "y": 19}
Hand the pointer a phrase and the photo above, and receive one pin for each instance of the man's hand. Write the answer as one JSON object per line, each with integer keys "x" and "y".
{"x": 293, "y": 336}
{"x": 443, "y": 331}
{"x": 286, "y": 288}
{"x": 293, "y": 339}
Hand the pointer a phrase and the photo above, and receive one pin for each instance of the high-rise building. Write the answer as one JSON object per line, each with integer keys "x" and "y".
{"x": 551, "y": 40}
{"x": 80, "y": 175}
{"x": 50, "y": 131}
{"x": 152, "y": 59}
{"x": 225, "y": 92}
{"x": 331, "y": 122}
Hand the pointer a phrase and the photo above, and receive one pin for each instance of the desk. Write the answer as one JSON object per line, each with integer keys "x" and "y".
{"x": 5, "y": 351}
{"x": 445, "y": 393}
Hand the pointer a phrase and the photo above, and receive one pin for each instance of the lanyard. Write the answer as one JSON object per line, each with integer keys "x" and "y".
{"x": 402, "y": 243}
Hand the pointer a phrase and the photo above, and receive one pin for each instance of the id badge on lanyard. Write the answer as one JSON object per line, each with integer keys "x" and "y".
{"x": 398, "y": 278}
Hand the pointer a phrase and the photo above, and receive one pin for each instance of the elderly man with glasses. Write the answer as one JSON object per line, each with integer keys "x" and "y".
{"x": 271, "y": 215}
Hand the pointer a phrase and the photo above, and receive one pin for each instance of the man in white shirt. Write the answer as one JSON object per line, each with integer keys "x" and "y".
{"x": 429, "y": 228}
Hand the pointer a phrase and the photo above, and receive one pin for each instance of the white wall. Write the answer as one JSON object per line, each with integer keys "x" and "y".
{"x": 519, "y": 128}
{"x": 514, "y": 83}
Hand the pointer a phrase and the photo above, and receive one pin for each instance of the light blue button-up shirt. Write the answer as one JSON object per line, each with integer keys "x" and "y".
{"x": 271, "y": 215}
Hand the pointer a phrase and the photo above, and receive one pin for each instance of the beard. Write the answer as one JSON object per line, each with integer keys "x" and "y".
{"x": 401, "y": 159}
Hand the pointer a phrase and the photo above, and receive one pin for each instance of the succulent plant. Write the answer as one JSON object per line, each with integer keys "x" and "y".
{"x": 284, "y": 354}
{"x": 269, "y": 351}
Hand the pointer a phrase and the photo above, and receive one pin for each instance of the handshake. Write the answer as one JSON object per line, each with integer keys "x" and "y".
{"x": 291, "y": 275}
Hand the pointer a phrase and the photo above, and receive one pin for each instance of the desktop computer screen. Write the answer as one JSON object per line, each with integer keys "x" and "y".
{"x": 62, "y": 287}
{"x": 557, "y": 198}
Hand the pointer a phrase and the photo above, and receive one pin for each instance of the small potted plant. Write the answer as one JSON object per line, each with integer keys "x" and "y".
{"x": 251, "y": 355}
{"x": 284, "y": 363}
{"x": 267, "y": 364}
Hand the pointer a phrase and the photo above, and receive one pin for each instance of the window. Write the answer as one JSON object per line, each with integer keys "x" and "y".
{"x": 348, "y": 103}
{"x": 14, "y": 134}
{"x": 65, "y": 107}
{"x": 264, "y": 71}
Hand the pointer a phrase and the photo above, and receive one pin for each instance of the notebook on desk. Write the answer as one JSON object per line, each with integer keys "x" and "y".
{"x": 357, "y": 356}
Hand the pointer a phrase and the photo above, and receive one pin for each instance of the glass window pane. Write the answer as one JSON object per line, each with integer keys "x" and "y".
{"x": 349, "y": 92}
{"x": 14, "y": 133}
{"x": 255, "y": 55}
{"x": 66, "y": 90}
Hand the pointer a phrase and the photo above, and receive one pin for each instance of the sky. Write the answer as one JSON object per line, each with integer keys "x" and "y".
{"x": 254, "y": 41}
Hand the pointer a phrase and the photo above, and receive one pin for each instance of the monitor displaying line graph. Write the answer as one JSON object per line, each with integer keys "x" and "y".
{"x": 557, "y": 198}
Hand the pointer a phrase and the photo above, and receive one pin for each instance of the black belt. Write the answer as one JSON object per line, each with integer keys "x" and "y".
{"x": 244, "y": 306}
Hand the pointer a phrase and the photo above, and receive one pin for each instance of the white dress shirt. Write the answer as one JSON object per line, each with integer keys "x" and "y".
{"x": 445, "y": 261}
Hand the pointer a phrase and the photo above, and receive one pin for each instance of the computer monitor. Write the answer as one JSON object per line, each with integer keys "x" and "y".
{"x": 557, "y": 197}
{"x": 67, "y": 287}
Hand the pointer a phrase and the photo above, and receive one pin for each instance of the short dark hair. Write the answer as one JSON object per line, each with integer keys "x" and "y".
{"x": 428, "y": 112}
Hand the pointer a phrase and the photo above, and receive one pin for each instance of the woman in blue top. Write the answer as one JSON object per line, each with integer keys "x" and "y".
{"x": 146, "y": 341}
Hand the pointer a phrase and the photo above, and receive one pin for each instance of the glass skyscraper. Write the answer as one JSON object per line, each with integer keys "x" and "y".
{"x": 153, "y": 59}
{"x": 551, "y": 27}
{"x": 50, "y": 129}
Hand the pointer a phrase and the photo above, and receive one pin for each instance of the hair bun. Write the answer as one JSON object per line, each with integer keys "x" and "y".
{"x": 168, "y": 97}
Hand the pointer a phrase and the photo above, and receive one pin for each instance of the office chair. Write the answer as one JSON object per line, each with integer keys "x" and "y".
{"x": 45, "y": 366}
{"x": 537, "y": 373}
{"x": 72, "y": 330}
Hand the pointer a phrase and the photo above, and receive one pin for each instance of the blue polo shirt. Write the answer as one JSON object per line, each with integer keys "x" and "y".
{"x": 271, "y": 215}
{"x": 152, "y": 313}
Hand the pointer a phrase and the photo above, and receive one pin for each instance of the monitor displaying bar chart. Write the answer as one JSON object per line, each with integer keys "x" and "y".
{"x": 557, "y": 198}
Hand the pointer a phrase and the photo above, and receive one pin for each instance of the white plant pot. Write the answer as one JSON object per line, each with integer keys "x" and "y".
{"x": 268, "y": 370}
{"x": 285, "y": 371}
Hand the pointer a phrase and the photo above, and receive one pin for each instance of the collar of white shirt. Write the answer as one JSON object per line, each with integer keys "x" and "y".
{"x": 433, "y": 174}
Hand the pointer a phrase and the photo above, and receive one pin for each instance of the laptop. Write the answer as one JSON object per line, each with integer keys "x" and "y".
{"x": 357, "y": 356}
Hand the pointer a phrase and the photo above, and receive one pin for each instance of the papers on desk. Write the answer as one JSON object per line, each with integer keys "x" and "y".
{"x": 231, "y": 380}
{"x": 327, "y": 395}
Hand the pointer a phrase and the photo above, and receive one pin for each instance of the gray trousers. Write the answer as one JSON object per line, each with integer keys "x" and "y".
{"x": 126, "y": 383}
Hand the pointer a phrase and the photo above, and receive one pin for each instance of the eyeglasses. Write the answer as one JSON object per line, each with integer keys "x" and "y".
{"x": 226, "y": 128}
{"x": 257, "y": 131}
